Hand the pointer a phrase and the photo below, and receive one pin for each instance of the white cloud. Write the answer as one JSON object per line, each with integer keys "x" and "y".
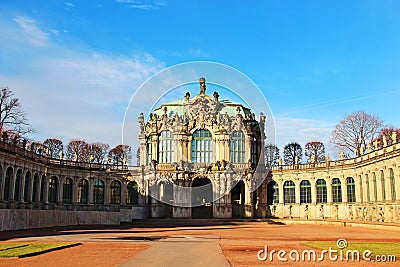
{"x": 70, "y": 92}
{"x": 31, "y": 30}
{"x": 301, "y": 131}
{"x": 69, "y": 4}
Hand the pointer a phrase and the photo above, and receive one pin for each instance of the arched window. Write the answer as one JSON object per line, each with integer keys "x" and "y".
{"x": 289, "y": 192}
{"x": 149, "y": 150}
{"x": 27, "y": 186}
{"x": 166, "y": 147}
{"x": 336, "y": 190}
{"x": 7, "y": 184}
{"x": 98, "y": 192}
{"x": 83, "y": 191}
{"x": 272, "y": 193}
{"x": 351, "y": 190}
{"x": 237, "y": 147}
{"x": 254, "y": 151}
{"x": 133, "y": 194}
{"x": 305, "y": 192}
{"x": 202, "y": 146}
{"x": 115, "y": 188}
{"x": 322, "y": 195}
{"x": 375, "y": 187}
{"x": 383, "y": 184}
{"x": 392, "y": 185}
{"x": 367, "y": 186}
{"x": 53, "y": 190}
{"x": 35, "y": 192}
{"x": 18, "y": 181}
{"x": 67, "y": 191}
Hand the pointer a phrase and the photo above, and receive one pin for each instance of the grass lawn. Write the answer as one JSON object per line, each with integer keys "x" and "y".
{"x": 377, "y": 248}
{"x": 30, "y": 249}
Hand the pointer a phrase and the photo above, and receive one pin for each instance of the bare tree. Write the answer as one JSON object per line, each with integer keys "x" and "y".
{"x": 387, "y": 134}
{"x": 291, "y": 152}
{"x": 354, "y": 131}
{"x": 12, "y": 116}
{"x": 316, "y": 150}
{"x": 78, "y": 150}
{"x": 99, "y": 152}
{"x": 119, "y": 153}
{"x": 271, "y": 155}
{"x": 54, "y": 147}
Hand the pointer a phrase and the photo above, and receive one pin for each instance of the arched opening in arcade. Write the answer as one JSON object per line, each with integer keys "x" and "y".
{"x": 238, "y": 200}
{"x": 202, "y": 198}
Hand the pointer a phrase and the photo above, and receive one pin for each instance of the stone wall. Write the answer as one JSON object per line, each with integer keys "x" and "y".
{"x": 16, "y": 219}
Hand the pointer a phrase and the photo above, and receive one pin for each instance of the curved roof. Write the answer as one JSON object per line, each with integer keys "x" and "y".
{"x": 178, "y": 107}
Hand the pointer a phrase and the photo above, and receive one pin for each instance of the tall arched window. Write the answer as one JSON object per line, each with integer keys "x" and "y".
{"x": 83, "y": 191}
{"x": 67, "y": 191}
{"x": 254, "y": 151}
{"x": 237, "y": 147}
{"x": 272, "y": 193}
{"x": 202, "y": 146}
{"x": 166, "y": 147}
{"x": 289, "y": 192}
{"x": 7, "y": 184}
{"x": 149, "y": 150}
{"x": 305, "y": 192}
{"x": 322, "y": 195}
{"x": 336, "y": 190}
{"x": 383, "y": 184}
{"x": 351, "y": 190}
{"x": 18, "y": 181}
{"x": 133, "y": 194}
{"x": 392, "y": 185}
{"x": 115, "y": 188}
{"x": 375, "y": 187}
{"x": 98, "y": 192}
{"x": 27, "y": 186}
{"x": 367, "y": 186}
{"x": 52, "y": 197}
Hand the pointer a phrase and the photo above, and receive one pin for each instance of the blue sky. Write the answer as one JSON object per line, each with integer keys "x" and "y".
{"x": 76, "y": 64}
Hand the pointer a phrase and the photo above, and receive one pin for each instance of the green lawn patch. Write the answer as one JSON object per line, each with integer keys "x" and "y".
{"x": 377, "y": 248}
{"x": 31, "y": 249}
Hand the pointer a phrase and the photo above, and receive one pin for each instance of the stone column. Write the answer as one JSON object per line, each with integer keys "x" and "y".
{"x": 313, "y": 191}
{"x": 123, "y": 193}
{"x": 46, "y": 191}
{"x": 297, "y": 191}
{"x": 329, "y": 191}
{"x": 91, "y": 191}
{"x": 358, "y": 185}
{"x": 22, "y": 188}
{"x": 12, "y": 185}
{"x": 30, "y": 188}
{"x": 107, "y": 191}
{"x": 344, "y": 190}
{"x": 281, "y": 195}
{"x": 60, "y": 190}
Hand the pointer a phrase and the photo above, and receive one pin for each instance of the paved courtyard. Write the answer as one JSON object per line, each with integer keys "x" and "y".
{"x": 206, "y": 244}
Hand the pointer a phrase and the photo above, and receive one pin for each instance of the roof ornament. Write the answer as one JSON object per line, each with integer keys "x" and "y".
{"x": 238, "y": 109}
{"x": 202, "y": 85}
{"x": 187, "y": 96}
{"x": 216, "y": 95}
{"x": 165, "y": 110}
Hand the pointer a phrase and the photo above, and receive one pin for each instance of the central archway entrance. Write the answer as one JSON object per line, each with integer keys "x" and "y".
{"x": 202, "y": 197}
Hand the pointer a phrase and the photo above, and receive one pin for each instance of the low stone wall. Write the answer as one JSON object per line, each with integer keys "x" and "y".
{"x": 16, "y": 219}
